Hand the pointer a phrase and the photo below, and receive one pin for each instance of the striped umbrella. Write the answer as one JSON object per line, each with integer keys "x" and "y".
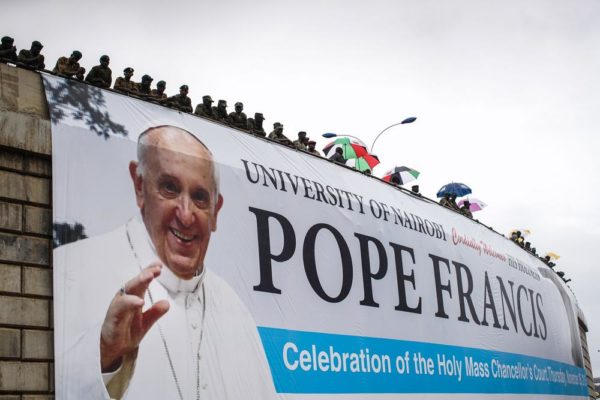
{"x": 352, "y": 148}
{"x": 363, "y": 163}
{"x": 404, "y": 174}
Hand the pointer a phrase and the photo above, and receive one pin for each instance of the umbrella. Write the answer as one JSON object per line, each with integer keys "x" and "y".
{"x": 363, "y": 163}
{"x": 404, "y": 174}
{"x": 474, "y": 204}
{"x": 352, "y": 148}
{"x": 552, "y": 254}
{"x": 458, "y": 189}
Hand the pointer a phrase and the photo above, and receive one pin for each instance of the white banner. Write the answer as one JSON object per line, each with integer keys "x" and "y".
{"x": 284, "y": 275}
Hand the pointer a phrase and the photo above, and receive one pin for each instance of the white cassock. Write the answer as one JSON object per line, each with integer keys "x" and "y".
{"x": 230, "y": 363}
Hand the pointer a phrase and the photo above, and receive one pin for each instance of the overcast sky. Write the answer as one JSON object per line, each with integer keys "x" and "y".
{"x": 507, "y": 94}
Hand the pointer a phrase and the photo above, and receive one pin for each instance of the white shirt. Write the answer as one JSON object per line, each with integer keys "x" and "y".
{"x": 88, "y": 273}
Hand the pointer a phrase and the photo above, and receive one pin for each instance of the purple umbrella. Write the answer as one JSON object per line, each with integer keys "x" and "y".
{"x": 475, "y": 204}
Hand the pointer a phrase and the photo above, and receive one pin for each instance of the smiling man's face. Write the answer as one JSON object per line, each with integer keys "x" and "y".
{"x": 177, "y": 198}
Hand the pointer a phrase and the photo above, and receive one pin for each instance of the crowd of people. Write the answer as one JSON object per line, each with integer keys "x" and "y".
{"x": 519, "y": 238}
{"x": 101, "y": 76}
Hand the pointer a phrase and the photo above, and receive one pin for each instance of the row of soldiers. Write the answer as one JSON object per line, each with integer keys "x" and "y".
{"x": 31, "y": 58}
{"x": 237, "y": 119}
{"x": 101, "y": 76}
{"x": 517, "y": 237}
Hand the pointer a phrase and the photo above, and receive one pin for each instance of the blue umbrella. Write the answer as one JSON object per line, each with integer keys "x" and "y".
{"x": 456, "y": 188}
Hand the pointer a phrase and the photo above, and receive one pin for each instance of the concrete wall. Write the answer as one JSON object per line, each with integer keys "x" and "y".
{"x": 26, "y": 341}
{"x": 586, "y": 358}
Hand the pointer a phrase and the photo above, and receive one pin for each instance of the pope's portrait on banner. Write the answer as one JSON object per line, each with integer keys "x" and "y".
{"x": 143, "y": 316}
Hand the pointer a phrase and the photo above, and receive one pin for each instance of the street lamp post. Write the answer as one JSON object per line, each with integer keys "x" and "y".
{"x": 330, "y": 135}
{"x": 408, "y": 120}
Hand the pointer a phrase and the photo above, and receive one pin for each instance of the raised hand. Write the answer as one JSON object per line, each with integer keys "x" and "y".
{"x": 126, "y": 324}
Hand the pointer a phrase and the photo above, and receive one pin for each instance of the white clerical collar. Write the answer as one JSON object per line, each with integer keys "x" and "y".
{"x": 174, "y": 284}
{"x": 144, "y": 248}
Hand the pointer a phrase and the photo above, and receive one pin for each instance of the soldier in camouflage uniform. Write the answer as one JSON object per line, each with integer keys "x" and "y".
{"x": 277, "y": 134}
{"x": 305, "y": 141}
{"x": 80, "y": 74}
{"x": 220, "y": 112}
{"x": 445, "y": 201}
{"x": 205, "y": 108}
{"x": 159, "y": 92}
{"x": 100, "y": 75}
{"x": 453, "y": 202}
{"x": 125, "y": 84}
{"x": 466, "y": 209}
{"x": 311, "y": 148}
{"x": 238, "y": 119}
{"x": 143, "y": 89}
{"x": 180, "y": 101}
{"x": 255, "y": 125}
{"x": 33, "y": 57}
{"x": 69, "y": 66}
{"x": 8, "y": 52}
{"x": 300, "y": 142}
{"x": 277, "y": 130}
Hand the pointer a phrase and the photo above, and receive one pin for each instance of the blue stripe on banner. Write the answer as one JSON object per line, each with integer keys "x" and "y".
{"x": 312, "y": 362}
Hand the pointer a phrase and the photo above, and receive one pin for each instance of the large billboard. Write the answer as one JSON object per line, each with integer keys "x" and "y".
{"x": 194, "y": 261}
